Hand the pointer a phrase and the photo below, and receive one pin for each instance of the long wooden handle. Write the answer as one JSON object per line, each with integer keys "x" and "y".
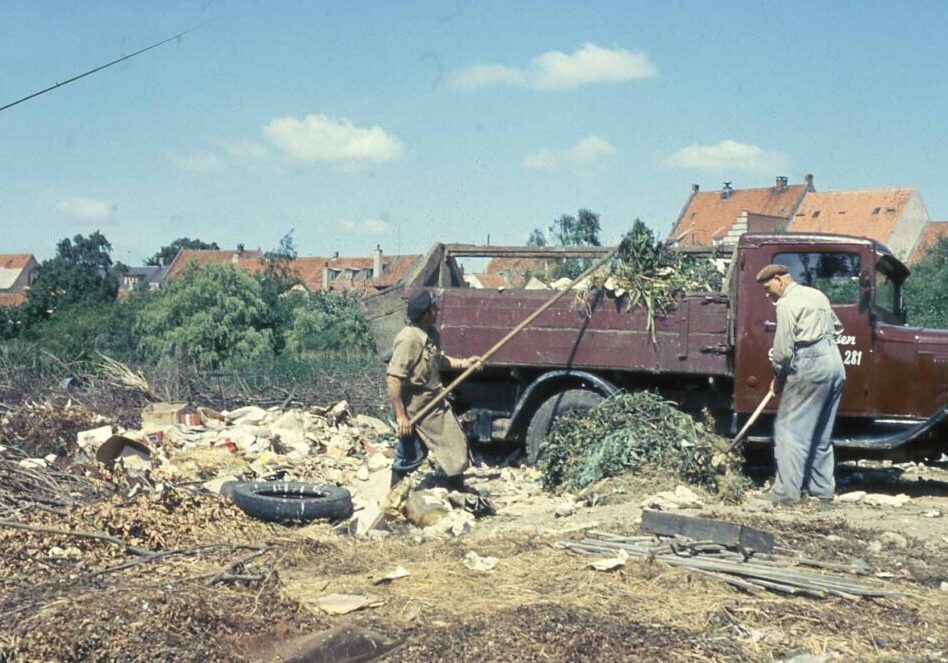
{"x": 499, "y": 344}
{"x": 753, "y": 418}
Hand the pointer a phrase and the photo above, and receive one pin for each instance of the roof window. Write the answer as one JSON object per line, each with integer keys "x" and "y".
{"x": 875, "y": 210}
{"x": 816, "y": 213}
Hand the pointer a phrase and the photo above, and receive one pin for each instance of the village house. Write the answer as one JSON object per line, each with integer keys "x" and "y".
{"x": 719, "y": 218}
{"x": 896, "y": 217}
{"x": 17, "y": 272}
{"x": 934, "y": 230}
{"x": 354, "y": 275}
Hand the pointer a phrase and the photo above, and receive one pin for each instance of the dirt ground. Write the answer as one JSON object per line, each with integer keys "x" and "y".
{"x": 187, "y": 576}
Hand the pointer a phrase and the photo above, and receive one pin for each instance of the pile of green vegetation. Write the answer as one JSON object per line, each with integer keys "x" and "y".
{"x": 650, "y": 273}
{"x": 633, "y": 432}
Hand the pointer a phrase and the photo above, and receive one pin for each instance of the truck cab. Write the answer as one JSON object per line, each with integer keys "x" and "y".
{"x": 896, "y": 376}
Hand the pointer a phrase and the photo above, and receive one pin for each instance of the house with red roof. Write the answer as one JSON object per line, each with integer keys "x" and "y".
{"x": 17, "y": 271}
{"x": 356, "y": 275}
{"x": 719, "y": 218}
{"x": 897, "y": 217}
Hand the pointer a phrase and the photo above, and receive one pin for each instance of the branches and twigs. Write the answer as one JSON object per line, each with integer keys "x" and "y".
{"x": 78, "y": 534}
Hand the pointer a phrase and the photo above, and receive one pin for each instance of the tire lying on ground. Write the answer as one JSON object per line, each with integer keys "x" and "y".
{"x": 291, "y": 501}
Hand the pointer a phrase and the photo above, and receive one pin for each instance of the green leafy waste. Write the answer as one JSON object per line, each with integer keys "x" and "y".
{"x": 633, "y": 431}
{"x": 650, "y": 273}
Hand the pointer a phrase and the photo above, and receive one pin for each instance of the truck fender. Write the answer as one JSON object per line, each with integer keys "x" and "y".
{"x": 548, "y": 384}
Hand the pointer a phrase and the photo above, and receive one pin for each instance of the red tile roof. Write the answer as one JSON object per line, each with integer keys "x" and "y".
{"x": 515, "y": 270}
{"x": 932, "y": 232}
{"x": 15, "y": 260}
{"x": 708, "y": 213}
{"x": 248, "y": 260}
{"x": 872, "y": 213}
{"x": 490, "y": 281}
{"x": 309, "y": 269}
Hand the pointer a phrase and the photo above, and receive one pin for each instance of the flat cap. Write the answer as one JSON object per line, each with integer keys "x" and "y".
{"x": 418, "y": 303}
{"x": 771, "y": 271}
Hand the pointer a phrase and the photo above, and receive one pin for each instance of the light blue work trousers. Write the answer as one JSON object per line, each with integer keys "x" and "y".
{"x": 803, "y": 446}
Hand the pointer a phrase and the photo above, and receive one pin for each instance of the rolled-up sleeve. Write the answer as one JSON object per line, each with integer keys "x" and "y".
{"x": 783, "y": 340}
{"x": 405, "y": 355}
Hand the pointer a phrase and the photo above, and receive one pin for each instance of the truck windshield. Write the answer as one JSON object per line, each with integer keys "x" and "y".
{"x": 835, "y": 274}
{"x": 887, "y": 294}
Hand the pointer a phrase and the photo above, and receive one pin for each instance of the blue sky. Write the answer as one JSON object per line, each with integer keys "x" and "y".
{"x": 405, "y": 123}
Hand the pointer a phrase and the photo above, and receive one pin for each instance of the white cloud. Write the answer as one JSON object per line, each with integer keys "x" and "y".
{"x": 246, "y": 149}
{"x": 364, "y": 227}
{"x": 323, "y": 138}
{"x": 85, "y": 209}
{"x": 588, "y": 150}
{"x": 196, "y": 162}
{"x": 555, "y": 70}
{"x": 728, "y": 155}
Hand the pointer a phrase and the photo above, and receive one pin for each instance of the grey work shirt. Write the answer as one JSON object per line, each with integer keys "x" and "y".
{"x": 804, "y": 316}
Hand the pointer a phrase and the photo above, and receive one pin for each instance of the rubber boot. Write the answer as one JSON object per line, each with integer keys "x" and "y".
{"x": 456, "y": 483}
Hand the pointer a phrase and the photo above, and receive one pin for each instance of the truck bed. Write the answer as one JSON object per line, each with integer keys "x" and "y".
{"x": 691, "y": 339}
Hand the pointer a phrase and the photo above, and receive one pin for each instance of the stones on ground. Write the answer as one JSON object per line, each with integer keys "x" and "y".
{"x": 943, "y": 586}
{"x": 480, "y": 564}
{"x": 851, "y": 497}
{"x": 878, "y": 499}
{"x": 932, "y": 513}
{"x": 894, "y": 539}
{"x": 565, "y": 509}
{"x": 874, "y": 546}
{"x": 610, "y": 563}
{"x": 681, "y": 498}
{"x": 395, "y": 574}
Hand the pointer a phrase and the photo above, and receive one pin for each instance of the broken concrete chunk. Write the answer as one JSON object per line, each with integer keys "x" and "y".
{"x": 682, "y": 498}
{"x": 90, "y": 440}
{"x": 424, "y": 508}
{"x": 249, "y": 414}
{"x": 565, "y": 510}
{"x": 877, "y": 499}
{"x": 366, "y": 516}
{"x": 398, "y": 572}
{"x": 610, "y": 563}
{"x": 362, "y": 474}
{"x": 475, "y": 562}
{"x": 156, "y": 415}
{"x": 342, "y": 604}
{"x": 854, "y": 496}
{"x": 378, "y": 461}
{"x": 894, "y": 539}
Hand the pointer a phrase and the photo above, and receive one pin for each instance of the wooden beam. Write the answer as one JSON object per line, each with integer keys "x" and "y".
{"x": 705, "y": 529}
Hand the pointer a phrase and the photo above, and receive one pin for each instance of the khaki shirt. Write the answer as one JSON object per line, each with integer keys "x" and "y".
{"x": 416, "y": 358}
{"x": 804, "y": 316}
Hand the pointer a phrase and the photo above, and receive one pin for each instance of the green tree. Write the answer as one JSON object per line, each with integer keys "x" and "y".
{"x": 327, "y": 322}
{"x": 277, "y": 278}
{"x": 925, "y": 292}
{"x": 82, "y": 272}
{"x": 580, "y": 230}
{"x": 209, "y": 315}
{"x": 166, "y": 254}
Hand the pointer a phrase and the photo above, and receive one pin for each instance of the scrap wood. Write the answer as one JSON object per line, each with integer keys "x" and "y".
{"x": 77, "y": 533}
{"x": 772, "y": 573}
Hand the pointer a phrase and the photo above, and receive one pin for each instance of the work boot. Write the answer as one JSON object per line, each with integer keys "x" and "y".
{"x": 397, "y": 475}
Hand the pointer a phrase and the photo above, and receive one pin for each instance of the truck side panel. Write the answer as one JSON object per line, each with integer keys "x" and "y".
{"x": 689, "y": 340}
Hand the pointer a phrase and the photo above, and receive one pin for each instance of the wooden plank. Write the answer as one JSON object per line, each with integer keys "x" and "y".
{"x": 705, "y": 529}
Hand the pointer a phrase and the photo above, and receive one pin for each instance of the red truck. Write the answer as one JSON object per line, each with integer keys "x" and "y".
{"x": 708, "y": 354}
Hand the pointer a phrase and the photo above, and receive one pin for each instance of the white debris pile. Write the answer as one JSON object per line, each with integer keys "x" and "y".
{"x": 320, "y": 444}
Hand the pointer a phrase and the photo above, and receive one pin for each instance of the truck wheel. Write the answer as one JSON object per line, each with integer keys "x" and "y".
{"x": 570, "y": 400}
{"x": 291, "y": 501}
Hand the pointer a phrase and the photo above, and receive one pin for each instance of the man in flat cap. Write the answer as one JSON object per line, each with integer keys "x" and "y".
{"x": 809, "y": 376}
{"x": 413, "y": 378}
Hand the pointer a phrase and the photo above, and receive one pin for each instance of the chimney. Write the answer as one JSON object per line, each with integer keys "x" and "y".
{"x": 726, "y": 191}
{"x": 335, "y": 255}
{"x": 809, "y": 182}
{"x": 325, "y": 278}
{"x": 238, "y": 254}
{"x": 780, "y": 184}
{"x": 694, "y": 189}
{"x": 377, "y": 262}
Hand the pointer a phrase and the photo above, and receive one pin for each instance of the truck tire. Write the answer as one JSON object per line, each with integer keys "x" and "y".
{"x": 291, "y": 501}
{"x": 571, "y": 400}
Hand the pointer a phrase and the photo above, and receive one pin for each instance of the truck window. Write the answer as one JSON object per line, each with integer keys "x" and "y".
{"x": 835, "y": 274}
{"x": 886, "y": 297}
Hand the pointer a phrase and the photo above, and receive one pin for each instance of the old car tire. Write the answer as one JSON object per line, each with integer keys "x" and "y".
{"x": 291, "y": 501}
{"x": 556, "y": 405}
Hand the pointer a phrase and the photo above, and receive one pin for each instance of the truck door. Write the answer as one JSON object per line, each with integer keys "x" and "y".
{"x": 836, "y": 273}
